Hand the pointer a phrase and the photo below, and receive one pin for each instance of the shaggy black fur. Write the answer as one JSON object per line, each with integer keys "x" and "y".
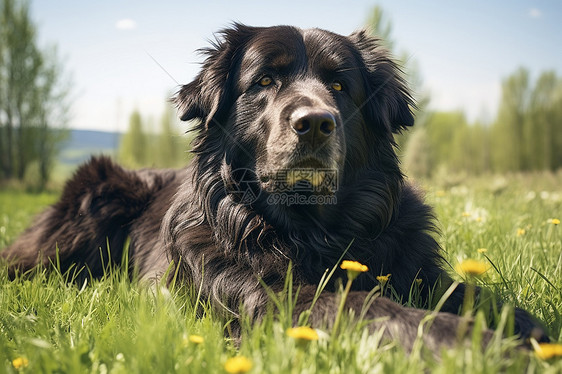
{"x": 270, "y": 102}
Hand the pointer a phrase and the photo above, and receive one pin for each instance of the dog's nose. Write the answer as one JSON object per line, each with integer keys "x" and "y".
{"x": 313, "y": 125}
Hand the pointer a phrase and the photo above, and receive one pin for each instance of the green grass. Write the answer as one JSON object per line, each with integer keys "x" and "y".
{"x": 120, "y": 326}
{"x": 17, "y": 209}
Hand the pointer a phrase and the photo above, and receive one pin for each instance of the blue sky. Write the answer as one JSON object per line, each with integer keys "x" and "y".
{"x": 125, "y": 54}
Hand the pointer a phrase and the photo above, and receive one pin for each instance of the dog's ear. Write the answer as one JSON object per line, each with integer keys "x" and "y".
{"x": 189, "y": 103}
{"x": 211, "y": 90}
{"x": 388, "y": 99}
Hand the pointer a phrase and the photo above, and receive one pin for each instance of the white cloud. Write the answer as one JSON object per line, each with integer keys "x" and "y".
{"x": 126, "y": 24}
{"x": 535, "y": 13}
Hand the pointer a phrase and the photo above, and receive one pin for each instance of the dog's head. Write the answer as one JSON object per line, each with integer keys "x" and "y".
{"x": 293, "y": 105}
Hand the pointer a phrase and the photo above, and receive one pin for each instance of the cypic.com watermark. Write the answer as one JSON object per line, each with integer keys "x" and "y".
{"x": 290, "y": 199}
{"x": 302, "y": 186}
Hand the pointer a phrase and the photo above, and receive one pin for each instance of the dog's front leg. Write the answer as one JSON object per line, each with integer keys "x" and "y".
{"x": 399, "y": 323}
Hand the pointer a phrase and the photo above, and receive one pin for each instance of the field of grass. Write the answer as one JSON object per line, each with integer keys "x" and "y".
{"x": 115, "y": 325}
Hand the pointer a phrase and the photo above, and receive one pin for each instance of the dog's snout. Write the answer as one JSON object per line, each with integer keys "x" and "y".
{"x": 313, "y": 125}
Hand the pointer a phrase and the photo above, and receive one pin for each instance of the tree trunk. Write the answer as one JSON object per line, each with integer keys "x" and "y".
{"x": 9, "y": 163}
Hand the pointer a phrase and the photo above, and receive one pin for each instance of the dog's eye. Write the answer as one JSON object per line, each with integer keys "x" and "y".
{"x": 265, "y": 81}
{"x": 337, "y": 86}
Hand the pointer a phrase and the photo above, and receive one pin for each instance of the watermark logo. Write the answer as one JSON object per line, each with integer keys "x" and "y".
{"x": 247, "y": 190}
{"x": 301, "y": 186}
{"x": 291, "y": 199}
{"x": 305, "y": 180}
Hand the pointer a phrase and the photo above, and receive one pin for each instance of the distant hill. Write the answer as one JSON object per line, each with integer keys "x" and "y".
{"x": 81, "y": 144}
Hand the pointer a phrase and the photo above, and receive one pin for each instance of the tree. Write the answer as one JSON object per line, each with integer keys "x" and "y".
{"x": 448, "y": 143}
{"x": 133, "y": 148}
{"x": 33, "y": 106}
{"x": 508, "y": 130}
{"x": 417, "y": 160}
{"x": 540, "y": 133}
{"x": 526, "y": 134}
{"x": 556, "y": 162}
{"x": 169, "y": 150}
{"x": 381, "y": 27}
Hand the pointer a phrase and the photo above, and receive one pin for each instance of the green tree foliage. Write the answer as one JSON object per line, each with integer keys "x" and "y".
{"x": 380, "y": 26}
{"x": 161, "y": 147}
{"x": 507, "y": 132}
{"x": 527, "y": 133}
{"x": 169, "y": 148}
{"x": 543, "y": 124}
{"x": 417, "y": 158}
{"x": 33, "y": 106}
{"x": 447, "y": 142}
{"x": 525, "y": 136}
{"x": 133, "y": 148}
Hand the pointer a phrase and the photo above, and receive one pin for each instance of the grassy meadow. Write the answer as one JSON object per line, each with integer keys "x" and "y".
{"x": 115, "y": 325}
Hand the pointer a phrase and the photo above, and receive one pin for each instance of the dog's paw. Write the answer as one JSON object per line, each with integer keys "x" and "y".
{"x": 528, "y": 327}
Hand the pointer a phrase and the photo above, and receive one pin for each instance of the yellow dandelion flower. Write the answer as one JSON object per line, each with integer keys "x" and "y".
{"x": 383, "y": 278}
{"x": 196, "y": 339}
{"x": 548, "y": 350}
{"x": 20, "y": 362}
{"x": 472, "y": 267}
{"x": 354, "y": 266}
{"x": 238, "y": 365}
{"x": 482, "y": 250}
{"x": 555, "y": 221}
{"x": 466, "y": 214}
{"x": 520, "y": 232}
{"x": 302, "y": 333}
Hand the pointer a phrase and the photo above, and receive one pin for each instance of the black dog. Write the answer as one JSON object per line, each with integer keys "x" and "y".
{"x": 294, "y": 163}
